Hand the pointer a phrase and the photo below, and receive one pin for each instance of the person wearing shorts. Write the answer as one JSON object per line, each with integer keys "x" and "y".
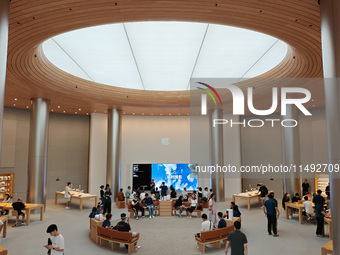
{"x": 68, "y": 195}
{"x": 125, "y": 227}
{"x": 19, "y": 206}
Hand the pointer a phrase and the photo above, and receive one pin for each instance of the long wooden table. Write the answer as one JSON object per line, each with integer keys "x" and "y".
{"x": 4, "y": 229}
{"x": 231, "y": 222}
{"x": 28, "y": 209}
{"x": 248, "y": 196}
{"x": 329, "y": 221}
{"x": 77, "y": 195}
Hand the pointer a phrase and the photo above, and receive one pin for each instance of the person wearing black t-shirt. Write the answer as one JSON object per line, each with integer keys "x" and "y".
{"x": 319, "y": 202}
{"x": 136, "y": 207}
{"x": 237, "y": 241}
{"x": 305, "y": 187}
{"x": 124, "y": 226}
{"x": 179, "y": 206}
{"x": 263, "y": 192}
{"x": 327, "y": 191}
{"x": 296, "y": 198}
{"x": 102, "y": 194}
{"x": 19, "y": 206}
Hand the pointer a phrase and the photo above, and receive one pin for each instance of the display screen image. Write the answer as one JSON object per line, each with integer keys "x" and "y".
{"x": 177, "y": 175}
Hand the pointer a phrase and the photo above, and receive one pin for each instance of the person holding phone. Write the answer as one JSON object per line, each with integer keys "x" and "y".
{"x": 57, "y": 241}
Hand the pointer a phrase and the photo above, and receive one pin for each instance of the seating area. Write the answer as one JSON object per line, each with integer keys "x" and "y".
{"x": 186, "y": 204}
{"x": 155, "y": 208}
{"x": 120, "y": 204}
{"x": 115, "y": 238}
{"x": 3, "y": 251}
{"x": 214, "y": 237}
{"x": 327, "y": 249}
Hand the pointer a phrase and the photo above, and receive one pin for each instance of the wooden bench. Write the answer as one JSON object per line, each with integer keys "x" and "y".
{"x": 155, "y": 208}
{"x": 3, "y": 251}
{"x": 120, "y": 204}
{"x": 186, "y": 204}
{"x": 213, "y": 237}
{"x": 327, "y": 248}
{"x": 116, "y": 237}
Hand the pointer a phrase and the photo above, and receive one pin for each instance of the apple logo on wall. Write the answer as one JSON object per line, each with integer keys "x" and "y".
{"x": 165, "y": 141}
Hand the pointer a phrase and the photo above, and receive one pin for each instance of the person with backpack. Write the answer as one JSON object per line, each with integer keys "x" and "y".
{"x": 263, "y": 191}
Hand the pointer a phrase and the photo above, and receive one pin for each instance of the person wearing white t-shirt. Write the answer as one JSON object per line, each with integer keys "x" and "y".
{"x": 57, "y": 247}
{"x": 308, "y": 207}
{"x": 68, "y": 195}
{"x": 192, "y": 207}
{"x": 206, "y": 225}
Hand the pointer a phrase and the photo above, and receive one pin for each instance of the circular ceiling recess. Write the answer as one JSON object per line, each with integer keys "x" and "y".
{"x": 163, "y": 56}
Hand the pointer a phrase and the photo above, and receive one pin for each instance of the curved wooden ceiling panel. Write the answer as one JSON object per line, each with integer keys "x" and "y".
{"x": 30, "y": 74}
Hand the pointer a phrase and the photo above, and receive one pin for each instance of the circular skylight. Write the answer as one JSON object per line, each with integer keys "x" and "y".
{"x": 163, "y": 55}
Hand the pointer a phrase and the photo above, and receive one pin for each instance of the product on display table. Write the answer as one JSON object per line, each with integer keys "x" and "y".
{"x": 77, "y": 195}
{"x": 248, "y": 195}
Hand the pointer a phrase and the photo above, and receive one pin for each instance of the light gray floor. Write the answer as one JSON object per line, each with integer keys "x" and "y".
{"x": 162, "y": 235}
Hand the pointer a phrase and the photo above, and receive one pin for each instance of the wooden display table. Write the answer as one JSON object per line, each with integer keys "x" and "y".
{"x": 247, "y": 195}
{"x": 4, "y": 229}
{"x": 77, "y": 195}
{"x": 231, "y": 222}
{"x": 165, "y": 208}
{"x": 93, "y": 229}
{"x": 28, "y": 209}
{"x": 327, "y": 249}
{"x": 329, "y": 221}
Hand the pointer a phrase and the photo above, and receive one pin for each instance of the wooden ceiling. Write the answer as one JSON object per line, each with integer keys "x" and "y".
{"x": 30, "y": 74}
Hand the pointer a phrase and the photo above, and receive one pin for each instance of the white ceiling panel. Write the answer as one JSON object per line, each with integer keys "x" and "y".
{"x": 166, "y": 52}
{"x": 163, "y": 55}
{"x": 103, "y": 52}
{"x": 230, "y": 51}
{"x": 59, "y": 58}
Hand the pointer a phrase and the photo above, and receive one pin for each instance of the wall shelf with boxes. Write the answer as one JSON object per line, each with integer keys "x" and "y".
{"x": 321, "y": 182}
{"x": 6, "y": 184}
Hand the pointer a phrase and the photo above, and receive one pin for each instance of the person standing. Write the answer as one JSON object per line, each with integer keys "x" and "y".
{"x": 327, "y": 191}
{"x": 319, "y": 202}
{"x": 107, "y": 204}
{"x": 68, "y": 195}
{"x": 57, "y": 247}
{"x": 271, "y": 210}
{"x": 102, "y": 194}
{"x": 263, "y": 192}
{"x": 237, "y": 241}
{"x": 164, "y": 191}
{"x": 212, "y": 209}
{"x": 152, "y": 185}
{"x": 128, "y": 194}
{"x": 305, "y": 187}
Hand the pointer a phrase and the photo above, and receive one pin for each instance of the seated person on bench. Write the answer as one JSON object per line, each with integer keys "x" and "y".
{"x": 18, "y": 206}
{"x": 121, "y": 195}
{"x": 206, "y": 225}
{"x": 136, "y": 206}
{"x": 107, "y": 222}
{"x": 179, "y": 206}
{"x": 193, "y": 206}
{"x": 125, "y": 227}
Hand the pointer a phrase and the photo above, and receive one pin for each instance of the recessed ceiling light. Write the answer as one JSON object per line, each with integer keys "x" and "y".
{"x": 170, "y": 114}
{"x": 63, "y": 111}
{"x": 58, "y": 106}
{"x": 151, "y": 113}
{"x": 312, "y": 100}
{"x": 133, "y": 113}
{"x": 87, "y": 113}
{"x": 124, "y": 113}
{"x": 79, "y": 109}
{"x": 14, "y": 104}
{"x": 52, "y": 110}
{"x": 313, "y": 105}
{"x": 27, "y": 106}
{"x": 160, "y": 114}
{"x": 15, "y": 99}
{"x": 75, "y": 112}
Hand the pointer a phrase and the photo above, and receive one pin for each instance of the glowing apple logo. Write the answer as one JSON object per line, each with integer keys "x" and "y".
{"x": 165, "y": 141}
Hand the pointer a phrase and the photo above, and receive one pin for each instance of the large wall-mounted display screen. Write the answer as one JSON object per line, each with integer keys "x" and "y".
{"x": 178, "y": 175}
